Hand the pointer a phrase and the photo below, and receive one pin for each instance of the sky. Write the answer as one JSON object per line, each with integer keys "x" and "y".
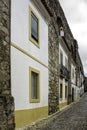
{"x": 76, "y": 15}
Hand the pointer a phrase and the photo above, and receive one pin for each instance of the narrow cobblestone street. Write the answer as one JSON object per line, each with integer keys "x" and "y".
{"x": 73, "y": 118}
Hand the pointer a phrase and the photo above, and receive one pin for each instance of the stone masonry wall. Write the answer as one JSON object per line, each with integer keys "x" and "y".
{"x": 6, "y": 100}
{"x": 53, "y": 67}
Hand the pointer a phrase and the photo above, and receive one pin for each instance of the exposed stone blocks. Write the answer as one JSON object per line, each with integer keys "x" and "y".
{"x": 53, "y": 68}
{"x": 6, "y": 100}
{"x": 6, "y": 113}
{"x": 5, "y": 47}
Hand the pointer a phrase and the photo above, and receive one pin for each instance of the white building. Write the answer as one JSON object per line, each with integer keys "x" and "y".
{"x": 29, "y": 60}
{"x": 64, "y": 75}
{"x": 77, "y": 81}
{"x": 75, "y": 91}
{"x": 81, "y": 83}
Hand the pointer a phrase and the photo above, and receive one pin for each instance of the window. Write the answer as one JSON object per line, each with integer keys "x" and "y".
{"x": 61, "y": 58}
{"x": 60, "y": 26}
{"x": 73, "y": 73}
{"x": 61, "y": 90}
{"x": 34, "y": 28}
{"x": 66, "y": 92}
{"x": 66, "y": 62}
{"x": 61, "y": 32}
{"x": 34, "y": 85}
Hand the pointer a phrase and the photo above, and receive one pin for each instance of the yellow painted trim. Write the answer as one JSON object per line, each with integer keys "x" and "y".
{"x": 28, "y": 54}
{"x": 62, "y": 105}
{"x": 30, "y": 38}
{"x": 38, "y": 85}
{"x": 25, "y": 117}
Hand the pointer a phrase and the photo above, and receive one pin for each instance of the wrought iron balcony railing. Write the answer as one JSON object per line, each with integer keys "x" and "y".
{"x": 64, "y": 72}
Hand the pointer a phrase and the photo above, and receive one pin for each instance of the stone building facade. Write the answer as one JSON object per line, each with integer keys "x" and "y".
{"x": 56, "y": 21}
{"x": 6, "y": 99}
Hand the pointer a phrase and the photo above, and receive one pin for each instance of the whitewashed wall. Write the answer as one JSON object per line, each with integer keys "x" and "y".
{"x": 73, "y": 83}
{"x": 63, "y": 81}
{"x": 73, "y": 80}
{"x": 20, "y": 29}
{"x": 20, "y": 62}
{"x": 64, "y": 54}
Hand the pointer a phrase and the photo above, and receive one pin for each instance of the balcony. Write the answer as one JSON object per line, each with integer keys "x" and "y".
{"x": 64, "y": 73}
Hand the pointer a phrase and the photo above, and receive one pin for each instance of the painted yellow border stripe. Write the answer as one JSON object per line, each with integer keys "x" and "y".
{"x": 38, "y": 85}
{"x": 28, "y": 54}
{"x": 28, "y": 116}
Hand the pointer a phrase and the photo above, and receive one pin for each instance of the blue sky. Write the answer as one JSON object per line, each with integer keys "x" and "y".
{"x": 76, "y": 14}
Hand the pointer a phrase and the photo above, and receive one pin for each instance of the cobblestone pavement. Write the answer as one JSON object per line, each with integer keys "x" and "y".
{"x": 73, "y": 118}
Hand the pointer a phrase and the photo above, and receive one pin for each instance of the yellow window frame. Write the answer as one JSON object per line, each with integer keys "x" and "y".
{"x": 37, "y": 100}
{"x": 36, "y": 43}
